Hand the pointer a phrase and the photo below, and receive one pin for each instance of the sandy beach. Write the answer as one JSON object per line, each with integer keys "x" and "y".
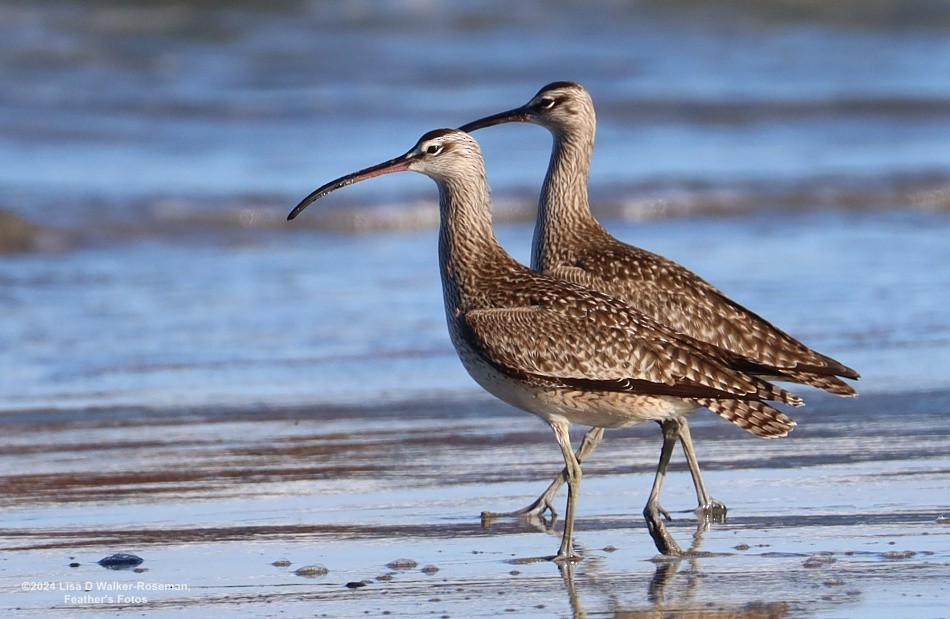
{"x": 844, "y": 518}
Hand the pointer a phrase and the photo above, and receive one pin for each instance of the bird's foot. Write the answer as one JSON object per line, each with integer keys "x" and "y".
{"x": 566, "y": 557}
{"x": 535, "y": 511}
{"x": 712, "y": 511}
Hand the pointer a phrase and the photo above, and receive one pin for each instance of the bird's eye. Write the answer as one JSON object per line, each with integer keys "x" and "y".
{"x": 546, "y": 103}
{"x": 434, "y": 149}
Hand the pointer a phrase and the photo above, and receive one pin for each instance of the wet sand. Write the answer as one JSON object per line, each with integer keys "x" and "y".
{"x": 846, "y": 517}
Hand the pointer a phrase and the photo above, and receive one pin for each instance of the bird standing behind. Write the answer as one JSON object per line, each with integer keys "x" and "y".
{"x": 570, "y": 244}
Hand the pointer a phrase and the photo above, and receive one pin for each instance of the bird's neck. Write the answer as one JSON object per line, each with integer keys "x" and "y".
{"x": 469, "y": 254}
{"x": 564, "y": 216}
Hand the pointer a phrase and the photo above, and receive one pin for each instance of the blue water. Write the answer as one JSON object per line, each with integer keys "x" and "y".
{"x": 107, "y": 109}
{"x": 796, "y": 156}
{"x": 323, "y": 318}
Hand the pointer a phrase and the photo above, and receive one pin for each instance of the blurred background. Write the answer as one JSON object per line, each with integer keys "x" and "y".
{"x": 795, "y": 153}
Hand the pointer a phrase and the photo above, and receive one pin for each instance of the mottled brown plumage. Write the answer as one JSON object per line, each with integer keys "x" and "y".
{"x": 560, "y": 351}
{"x": 569, "y": 243}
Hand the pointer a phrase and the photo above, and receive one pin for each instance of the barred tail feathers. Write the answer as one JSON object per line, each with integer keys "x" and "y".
{"x": 831, "y": 384}
{"x": 768, "y": 391}
{"x": 757, "y": 417}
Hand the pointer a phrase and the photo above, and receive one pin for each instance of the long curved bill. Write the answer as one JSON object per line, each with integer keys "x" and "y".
{"x": 399, "y": 164}
{"x": 519, "y": 114}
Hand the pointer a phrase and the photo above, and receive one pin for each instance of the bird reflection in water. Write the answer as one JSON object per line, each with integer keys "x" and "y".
{"x": 672, "y": 591}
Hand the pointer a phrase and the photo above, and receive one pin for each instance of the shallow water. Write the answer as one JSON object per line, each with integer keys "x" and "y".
{"x": 217, "y": 407}
{"x": 840, "y": 519}
{"x": 314, "y": 318}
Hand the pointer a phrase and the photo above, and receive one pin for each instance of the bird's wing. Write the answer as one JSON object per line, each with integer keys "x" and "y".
{"x": 608, "y": 348}
{"x": 674, "y": 295}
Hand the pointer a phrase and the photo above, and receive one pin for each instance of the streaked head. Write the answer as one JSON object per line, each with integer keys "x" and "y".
{"x": 440, "y": 154}
{"x": 561, "y": 107}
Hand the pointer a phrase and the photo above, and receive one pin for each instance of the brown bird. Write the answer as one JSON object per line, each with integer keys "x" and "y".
{"x": 555, "y": 349}
{"x": 571, "y": 245}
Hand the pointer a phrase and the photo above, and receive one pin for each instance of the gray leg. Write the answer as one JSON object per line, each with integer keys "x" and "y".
{"x": 545, "y": 502}
{"x": 708, "y": 507}
{"x": 574, "y": 474}
{"x": 661, "y": 537}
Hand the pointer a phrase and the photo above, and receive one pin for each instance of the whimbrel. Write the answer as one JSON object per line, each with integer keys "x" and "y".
{"x": 555, "y": 349}
{"x": 570, "y": 244}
